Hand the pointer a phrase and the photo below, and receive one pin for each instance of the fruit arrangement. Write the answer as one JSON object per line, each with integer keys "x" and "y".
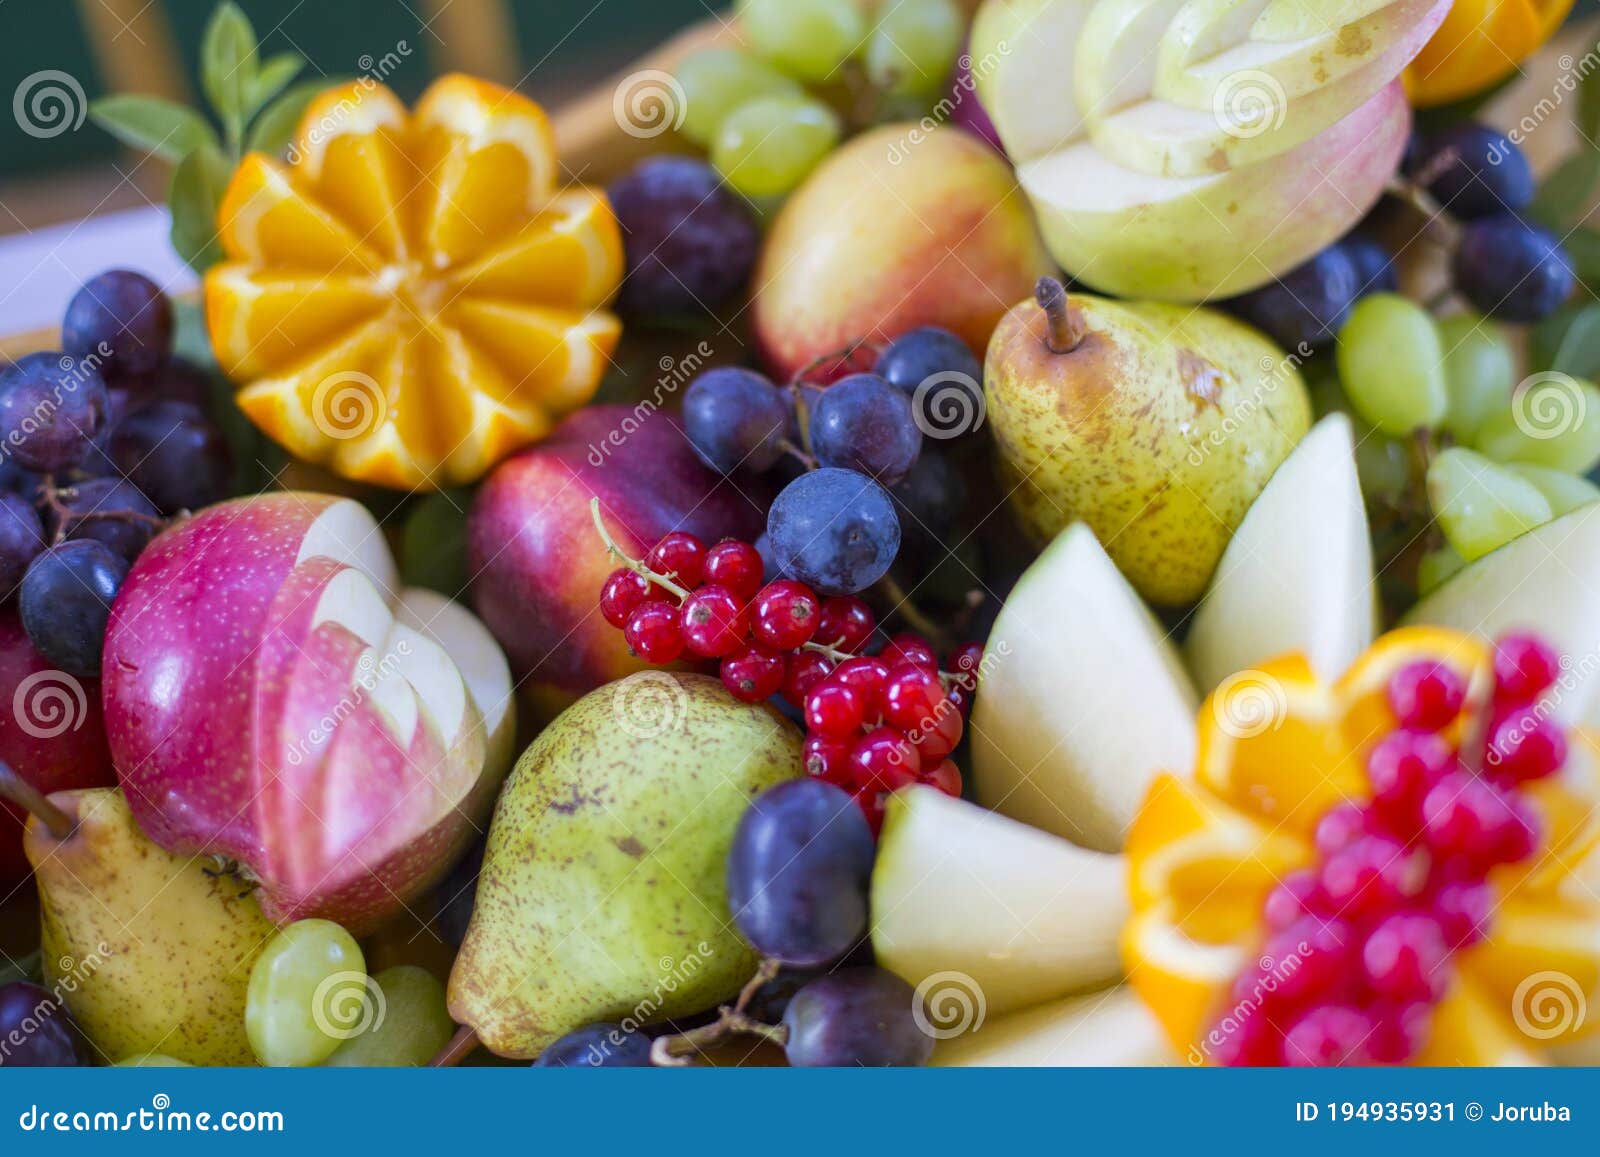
{"x": 1036, "y": 532}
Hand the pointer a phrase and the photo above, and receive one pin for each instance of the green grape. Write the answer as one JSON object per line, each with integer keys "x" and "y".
{"x": 1482, "y": 506}
{"x": 1553, "y": 420}
{"x": 1382, "y": 463}
{"x": 1480, "y": 367}
{"x": 152, "y": 1061}
{"x": 1564, "y": 492}
{"x": 416, "y": 1023}
{"x": 913, "y": 49}
{"x": 808, "y": 39}
{"x": 1435, "y": 567}
{"x": 1392, "y": 364}
{"x": 768, "y": 146}
{"x": 715, "y": 81}
{"x": 308, "y": 990}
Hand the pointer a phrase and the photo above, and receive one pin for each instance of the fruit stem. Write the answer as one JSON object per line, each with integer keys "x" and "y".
{"x": 798, "y": 454}
{"x": 33, "y": 801}
{"x": 1066, "y": 323}
{"x": 845, "y": 353}
{"x": 457, "y": 1049}
{"x": 632, "y": 564}
{"x": 911, "y": 613}
{"x": 674, "y": 1051}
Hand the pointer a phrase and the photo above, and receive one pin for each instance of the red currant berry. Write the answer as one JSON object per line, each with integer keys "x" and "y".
{"x": 834, "y": 710}
{"x": 753, "y": 675}
{"x": 1466, "y": 816}
{"x": 909, "y": 648}
{"x": 784, "y": 614}
{"x": 681, "y": 557}
{"x": 939, "y": 736}
{"x": 871, "y": 802}
{"x": 1328, "y": 1035}
{"x": 1308, "y": 960}
{"x": 714, "y": 622}
{"x": 1518, "y": 837}
{"x": 867, "y": 675}
{"x": 1402, "y": 1030}
{"x": 624, "y": 590}
{"x": 961, "y": 698}
{"x": 828, "y": 759}
{"x": 1247, "y": 1042}
{"x": 1463, "y": 910}
{"x": 1523, "y": 747}
{"x": 1340, "y": 826}
{"x": 845, "y": 623}
{"x": 1426, "y": 696}
{"x": 1401, "y": 767}
{"x": 1371, "y": 875}
{"x": 1524, "y": 665}
{"x": 913, "y": 697}
{"x": 886, "y": 758}
{"x": 652, "y": 632}
{"x": 1297, "y": 894}
{"x": 965, "y": 661}
{"x": 1404, "y": 958}
{"x": 946, "y": 777}
{"x": 803, "y": 670}
{"x": 735, "y": 565}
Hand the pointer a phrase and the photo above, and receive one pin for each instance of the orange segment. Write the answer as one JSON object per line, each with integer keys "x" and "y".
{"x": 1363, "y": 690}
{"x": 265, "y": 218}
{"x": 260, "y": 324}
{"x": 1542, "y": 965}
{"x": 571, "y": 252}
{"x": 1470, "y": 1028}
{"x": 1479, "y": 42}
{"x": 556, "y": 352}
{"x": 352, "y": 154}
{"x": 1182, "y": 981}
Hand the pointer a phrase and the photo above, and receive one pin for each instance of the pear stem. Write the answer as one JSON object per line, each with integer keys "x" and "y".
{"x": 632, "y": 564}
{"x": 33, "y": 801}
{"x": 458, "y": 1049}
{"x": 1066, "y": 323}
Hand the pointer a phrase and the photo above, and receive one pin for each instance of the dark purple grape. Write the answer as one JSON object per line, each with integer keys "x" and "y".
{"x": 180, "y": 380}
{"x": 121, "y": 323}
{"x": 597, "y": 1046}
{"x": 1474, "y": 171}
{"x": 456, "y": 894}
{"x": 736, "y": 420}
{"x": 1375, "y": 271}
{"x": 919, "y": 354}
{"x": 799, "y": 871}
{"x": 65, "y": 601}
{"x": 860, "y": 1017}
{"x": 15, "y": 479}
{"x": 690, "y": 243}
{"x": 1306, "y": 306}
{"x": 863, "y": 423}
{"x": 1512, "y": 270}
{"x": 52, "y": 408}
{"x": 35, "y": 1029}
{"x": 834, "y": 529}
{"x": 930, "y": 498}
{"x": 772, "y": 998}
{"x": 172, "y": 452}
{"x": 109, "y": 510}
{"x": 21, "y": 540}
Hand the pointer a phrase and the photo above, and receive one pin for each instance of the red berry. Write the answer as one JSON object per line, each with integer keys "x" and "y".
{"x": 1524, "y": 665}
{"x": 1297, "y": 894}
{"x": 1523, "y": 747}
{"x": 1308, "y": 960}
{"x": 1402, "y": 1030}
{"x": 1373, "y": 874}
{"x": 753, "y": 675}
{"x": 834, "y": 710}
{"x": 886, "y": 758}
{"x": 1518, "y": 837}
{"x": 1340, "y": 826}
{"x": 803, "y": 670}
{"x": 624, "y": 590}
{"x": 1401, "y": 767}
{"x": 946, "y": 777}
{"x": 913, "y": 697}
{"x": 714, "y": 622}
{"x": 939, "y": 736}
{"x": 909, "y": 648}
{"x": 961, "y": 698}
{"x": 1330, "y": 1034}
{"x": 1463, "y": 909}
{"x": 784, "y": 614}
{"x": 652, "y": 632}
{"x": 1404, "y": 957}
{"x": 965, "y": 661}
{"x": 1248, "y": 1042}
{"x": 1426, "y": 696}
{"x": 1464, "y": 815}
{"x": 867, "y": 675}
{"x": 871, "y": 802}
{"x": 845, "y": 623}
{"x": 681, "y": 557}
{"x": 828, "y": 759}
{"x": 735, "y": 565}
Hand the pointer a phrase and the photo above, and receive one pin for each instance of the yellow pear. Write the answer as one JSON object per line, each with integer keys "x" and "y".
{"x": 150, "y": 951}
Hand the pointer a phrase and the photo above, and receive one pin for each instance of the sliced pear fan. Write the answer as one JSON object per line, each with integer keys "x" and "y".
{"x": 1104, "y": 1028}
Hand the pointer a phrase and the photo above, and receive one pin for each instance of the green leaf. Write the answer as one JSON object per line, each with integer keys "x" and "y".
{"x": 1583, "y": 246}
{"x": 1568, "y": 342}
{"x": 167, "y": 130}
{"x": 274, "y": 128}
{"x": 272, "y": 78}
{"x": 197, "y": 187}
{"x": 228, "y": 66}
{"x": 1565, "y": 192}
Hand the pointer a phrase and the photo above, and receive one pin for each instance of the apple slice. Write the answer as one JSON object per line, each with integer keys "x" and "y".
{"x": 1022, "y": 52}
{"x": 1542, "y": 581}
{"x": 1085, "y": 703}
{"x": 1297, "y": 575}
{"x": 1040, "y": 917}
{"x": 479, "y": 659}
{"x": 1113, "y": 64}
{"x": 1111, "y": 1028}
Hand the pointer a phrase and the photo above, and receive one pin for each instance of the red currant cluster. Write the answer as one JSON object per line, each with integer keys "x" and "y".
{"x": 1359, "y": 945}
{"x": 874, "y": 722}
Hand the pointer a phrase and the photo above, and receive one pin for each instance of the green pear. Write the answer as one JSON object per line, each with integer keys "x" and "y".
{"x": 152, "y": 952}
{"x": 603, "y": 893}
{"x": 1154, "y": 424}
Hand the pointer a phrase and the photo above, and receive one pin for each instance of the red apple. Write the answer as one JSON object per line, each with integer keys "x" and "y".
{"x": 51, "y": 733}
{"x": 538, "y": 565}
{"x": 273, "y": 697}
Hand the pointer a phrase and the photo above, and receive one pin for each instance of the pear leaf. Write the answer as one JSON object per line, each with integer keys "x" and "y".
{"x": 160, "y": 127}
{"x": 193, "y": 198}
{"x": 228, "y": 65}
{"x": 275, "y": 127}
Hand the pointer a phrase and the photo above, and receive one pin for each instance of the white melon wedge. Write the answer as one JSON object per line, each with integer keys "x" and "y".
{"x": 1016, "y": 916}
{"x": 1297, "y": 575}
{"x": 1111, "y": 1028}
{"x": 1022, "y": 52}
{"x": 1083, "y": 699}
{"x": 1544, "y": 581}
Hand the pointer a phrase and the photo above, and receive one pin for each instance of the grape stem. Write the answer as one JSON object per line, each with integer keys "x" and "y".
{"x": 457, "y": 1049}
{"x": 911, "y": 613}
{"x": 844, "y": 353}
{"x": 806, "y": 460}
{"x": 676, "y": 1050}
{"x": 632, "y": 564}
{"x": 1438, "y": 219}
{"x": 65, "y": 519}
{"x": 30, "y": 799}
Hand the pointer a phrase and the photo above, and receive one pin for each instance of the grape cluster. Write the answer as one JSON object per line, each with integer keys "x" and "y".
{"x": 1399, "y": 883}
{"x": 38, "y": 1029}
{"x": 764, "y": 131}
{"x": 100, "y": 441}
